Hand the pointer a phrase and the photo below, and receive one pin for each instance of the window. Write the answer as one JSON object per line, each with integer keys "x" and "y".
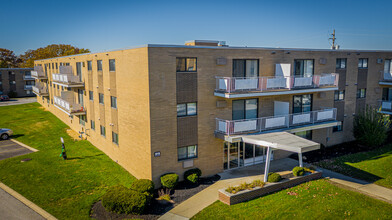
{"x": 103, "y": 130}
{"x": 341, "y": 63}
{"x": 304, "y": 68}
{"x": 12, "y": 82}
{"x": 339, "y": 95}
{"x": 302, "y": 103}
{"x": 387, "y": 94}
{"x": 89, "y": 65}
{"x": 187, "y": 152}
{"x": 245, "y": 109}
{"x": 113, "y": 101}
{"x": 115, "y": 138}
{"x": 57, "y": 67}
{"x": 388, "y": 66}
{"x": 361, "y": 93}
{"x": 99, "y": 65}
{"x": 82, "y": 120}
{"x": 91, "y": 95}
{"x": 92, "y": 125}
{"x": 52, "y": 65}
{"x": 186, "y": 109}
{"x": 305, "y": 134}
{"x": 337, "y": 128}
{"x": 101, "y": 98}
{"x": 363, "y": 63}
{"x": 186, "y": 64}
{"x": 245, "y": 68}
{"x": 112, "y": 65}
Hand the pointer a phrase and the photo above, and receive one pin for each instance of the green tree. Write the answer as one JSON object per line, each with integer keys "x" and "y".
{"x": 371, "y": 127}
{"x": 54, "y": 50}
{"x": 8, "y": 59}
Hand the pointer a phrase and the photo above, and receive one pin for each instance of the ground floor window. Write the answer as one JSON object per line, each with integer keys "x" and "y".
{"x": 103, "y": 131}
{"x": 92, "y": 125}
{"x": 187, "y": 152}
{"x": 305, "y": 134}
{"x": 338, "y": 128}
{"x": 82, "y": 120}
{"x": 114, "y": 137}
{"x": 241, "y": 154}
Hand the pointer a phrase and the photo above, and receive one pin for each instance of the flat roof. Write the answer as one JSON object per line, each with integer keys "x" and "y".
{"x": 226, "y": 48}
{"x": 282, "y": 141}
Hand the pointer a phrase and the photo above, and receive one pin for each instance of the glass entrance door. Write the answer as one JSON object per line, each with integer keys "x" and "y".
{"x": 242, "y": 154}
{"x": 233, "y": 156}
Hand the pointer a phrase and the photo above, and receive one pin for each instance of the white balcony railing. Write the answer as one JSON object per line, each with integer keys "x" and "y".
{"x": 28, "y": 77}
{"x": 68, "y": 105}
{"x": 28, "y": 87}
{"x": 66, "y": 78}
{"x": 386, "y": 77}
{"x": 385, "y": 106}
{"x": 38, "y": 73}
{"x": 40, "y": 89}
{"x": 266, "y": 84}
{"x": 235, "y": 127}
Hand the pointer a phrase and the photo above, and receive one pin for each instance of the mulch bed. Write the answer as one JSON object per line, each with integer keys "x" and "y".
{"x": 183, "y": 191}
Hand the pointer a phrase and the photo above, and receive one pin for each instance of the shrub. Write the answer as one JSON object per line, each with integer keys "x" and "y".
{"x": 192, "y": 175}
{"x": 274, "y": 177}
{"x": 12, "y": 94}
{"x": 144, "y": 186}
{"x": 169, "y": 180}
{"x": 298, "y": 171}
{"x": 244, "y": 186}
{"x": 258, "y": 183}
{"x": 120, "y": 199}
{"x": 370, "y": 127}
{"x": 310, "y": 169}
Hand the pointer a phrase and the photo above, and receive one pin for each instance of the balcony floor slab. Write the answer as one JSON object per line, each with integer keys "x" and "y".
{"x": 272, "y": 93}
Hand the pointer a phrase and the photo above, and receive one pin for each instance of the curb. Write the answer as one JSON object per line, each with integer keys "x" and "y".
{"x": 24, "y": 145}
{"x": 27, "y": 202}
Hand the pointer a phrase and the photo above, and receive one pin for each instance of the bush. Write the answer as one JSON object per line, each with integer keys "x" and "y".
{"x": 12, "y": 94}
{"x": 244, "y": 186}
{"x": 144, "y": 186}
{"x": 169, "y": 180}
{"x": 370, "y": 127}
{"x": 120, "y": 199}
{"x": 298, "y": 171}
{"x": 192, "y": 175}
{"x": 274, "y": 177}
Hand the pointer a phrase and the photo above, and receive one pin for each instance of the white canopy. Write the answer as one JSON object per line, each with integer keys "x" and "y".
{"x": 283, "y": 141}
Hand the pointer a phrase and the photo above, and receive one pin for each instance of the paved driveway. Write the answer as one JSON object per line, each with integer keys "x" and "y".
{"x": 10, "y": 149}
{"x": 18, "y": 101}
{"x": 13, "y": 209}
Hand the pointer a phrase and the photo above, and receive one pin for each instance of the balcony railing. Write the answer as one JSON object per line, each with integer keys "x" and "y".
{"x": 40, "y": 89}
{"x": 386, "y": 78}
{"x": 66, "y": 77}
{"x": 28, "y": 87}
{"x": 38, "y": 73}
{"x": 257, "y": 125}
{"x": 274, "y": 83}
{"x": 28, "y": 77}
{"x": 68, "y": 105}
{"x": 385, "y": 106}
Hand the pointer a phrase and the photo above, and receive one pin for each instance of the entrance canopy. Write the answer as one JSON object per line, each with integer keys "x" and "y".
{"x": 283, "y": 141}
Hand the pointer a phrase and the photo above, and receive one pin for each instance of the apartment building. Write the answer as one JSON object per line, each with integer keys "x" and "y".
{"x": 16, "y": 81}
{"x": 156, "y": 109}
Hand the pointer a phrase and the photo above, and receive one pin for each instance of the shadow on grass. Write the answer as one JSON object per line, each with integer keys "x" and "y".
{"x": 17, "y": 135}
{"x": 85, "y": 157}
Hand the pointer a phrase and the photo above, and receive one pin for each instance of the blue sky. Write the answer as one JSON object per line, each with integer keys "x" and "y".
{"x": 106, "y": 25}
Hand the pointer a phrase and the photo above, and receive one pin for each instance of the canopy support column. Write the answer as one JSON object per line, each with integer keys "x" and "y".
{"x": 267, "y": 164}
{"x": 300, "y": 160}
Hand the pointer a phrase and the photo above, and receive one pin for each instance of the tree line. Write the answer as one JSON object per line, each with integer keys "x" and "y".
{"x": 8, "y": 59}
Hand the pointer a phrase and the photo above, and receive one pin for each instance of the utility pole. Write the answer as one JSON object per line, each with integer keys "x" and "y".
{"x": 333, "y": 38}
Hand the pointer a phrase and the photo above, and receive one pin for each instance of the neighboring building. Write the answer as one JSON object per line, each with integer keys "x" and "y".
{"x": 165, "y": 108}
{"x": 16, "y": 80}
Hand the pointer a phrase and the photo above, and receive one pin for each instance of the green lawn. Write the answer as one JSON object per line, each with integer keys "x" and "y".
{"x": 313, "y": 200}
{"x": 373, "y": 166}
{"x": 66, "y": 189}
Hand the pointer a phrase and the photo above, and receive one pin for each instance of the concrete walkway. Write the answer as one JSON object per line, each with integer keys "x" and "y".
{"x": 201, "y": 200}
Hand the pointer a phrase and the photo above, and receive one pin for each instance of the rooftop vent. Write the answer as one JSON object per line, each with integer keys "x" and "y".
{"x": 211, "y": 43}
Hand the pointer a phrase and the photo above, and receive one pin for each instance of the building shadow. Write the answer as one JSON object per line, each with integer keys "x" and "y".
{"x": 85, "y": 157}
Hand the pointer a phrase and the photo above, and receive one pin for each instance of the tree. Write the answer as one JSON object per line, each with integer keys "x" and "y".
{"x": 54, "y": 50}
{"x": 8, "y": 59}
{"x": 371, "y": 127}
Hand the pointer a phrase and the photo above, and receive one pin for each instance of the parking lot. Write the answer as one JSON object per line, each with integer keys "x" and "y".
{"x": 10, "y": 149}
{"x": 18, "y": 101}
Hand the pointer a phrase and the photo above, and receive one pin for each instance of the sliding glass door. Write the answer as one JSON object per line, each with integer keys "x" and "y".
{"x": 245, "y": 68}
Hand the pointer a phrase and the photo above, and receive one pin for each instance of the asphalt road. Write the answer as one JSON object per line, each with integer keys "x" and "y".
{"x": 18, "y": 101}
{"x": 11, "y": 149}
{"x": 13, "y": 209}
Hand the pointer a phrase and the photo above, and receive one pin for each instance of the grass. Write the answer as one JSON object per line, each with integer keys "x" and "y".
{"x": 373, "y": 166}
{"x": 66, "y": 189}
{"x": 313, "y": 200}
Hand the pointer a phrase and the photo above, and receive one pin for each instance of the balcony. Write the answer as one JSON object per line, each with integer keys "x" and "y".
{"x": 66, "y": 78}
{"x": 28, "y": 87}
{"x": 38, "y": 73}
{"x": 40, "y": 89}
{"x": 386, "y": 79}
{"x": 237, "y": 87}
{"x": 294, "y": 122}
{"x": 28, "y": 77}
{"x": 67, "y": 105}
{"x": 385, "y": 107}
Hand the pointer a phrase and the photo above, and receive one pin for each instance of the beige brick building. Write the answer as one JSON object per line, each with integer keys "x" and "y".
{"x": 16, "y": 80}
{"x": 166, "y": 108}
